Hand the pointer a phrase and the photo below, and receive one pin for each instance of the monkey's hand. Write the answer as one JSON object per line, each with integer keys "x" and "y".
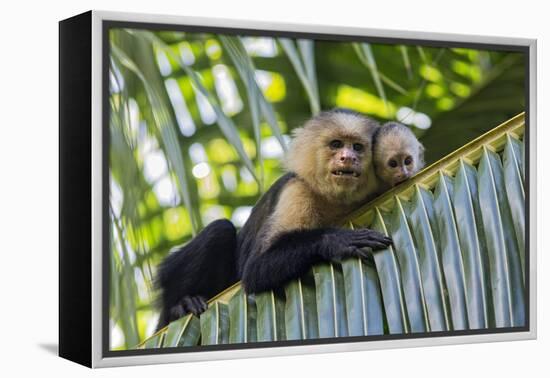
{"x": 365, "y": 237}
{"x": 353, "y": 243}
{"x": 195, "y": 305}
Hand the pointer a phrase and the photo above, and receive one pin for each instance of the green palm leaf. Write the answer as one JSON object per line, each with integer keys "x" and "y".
{"x": 183, "y": 332}
{"x": 164, "y": 122}
{"x": 421, "y": 217}
{"x": 501, "y": 242}
{"x": 300, "y": 315}
{"x": 225, "y": 123}
{"x": 214, "y": 323}
{"x": 270, "y": 317}
{"x": 364, "y": 312}
{"x": 390, "y": 281}
{"x": 242, "y": 318}
{"x": 303, "y": 61}
{"x": 366, "y": 56}
{"x": 410, "y": 270}
{"x": 331, "y": 306}
{"x": 247, "y": 72}
{"x": 453, "y": 266}
{"x": 476, "y": 269}
{"x": 515, "y": 192}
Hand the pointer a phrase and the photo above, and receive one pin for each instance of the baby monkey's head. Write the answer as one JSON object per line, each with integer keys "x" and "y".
{"x": 397, "y": 154}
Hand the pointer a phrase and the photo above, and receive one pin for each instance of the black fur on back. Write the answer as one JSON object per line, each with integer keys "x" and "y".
{"x": 247, "y": 239}
{"x": 203, "y": 267}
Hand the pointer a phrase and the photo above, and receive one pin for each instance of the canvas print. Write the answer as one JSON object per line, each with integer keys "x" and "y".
{"x": 271, "y": 189}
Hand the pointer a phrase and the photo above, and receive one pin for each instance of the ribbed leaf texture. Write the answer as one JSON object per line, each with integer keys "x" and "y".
{"x": 457, "y": 262}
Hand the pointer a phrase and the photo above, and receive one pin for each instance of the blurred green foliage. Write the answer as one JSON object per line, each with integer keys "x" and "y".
{"x": 199, "y": 123}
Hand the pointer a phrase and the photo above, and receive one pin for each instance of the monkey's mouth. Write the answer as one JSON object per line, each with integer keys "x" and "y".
{"x": 346, "y": 173}
{"x": 400, "y": 181}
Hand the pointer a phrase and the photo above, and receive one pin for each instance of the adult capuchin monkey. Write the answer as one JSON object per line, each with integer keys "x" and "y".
{"x": 397, "y": 155}
{"x": 293, "y": 226}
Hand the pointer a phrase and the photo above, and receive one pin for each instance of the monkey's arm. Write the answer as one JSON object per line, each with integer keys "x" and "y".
{"x": 293, "y": 253}
{"x": 294, "y": 239}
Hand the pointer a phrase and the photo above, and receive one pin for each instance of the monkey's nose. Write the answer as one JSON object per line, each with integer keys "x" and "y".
{"x": 400, "y": 177}
{"x": 344, "y": 158}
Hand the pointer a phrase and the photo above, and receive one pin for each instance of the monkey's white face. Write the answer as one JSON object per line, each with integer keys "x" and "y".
{"x": 346, "y": 172}
{"x": 398, "y": 168}
{"x": 333, "y": 155}
{"x": 346, "y": 159}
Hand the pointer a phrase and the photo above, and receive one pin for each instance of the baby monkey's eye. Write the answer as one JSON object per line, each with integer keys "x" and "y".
{"x": 392, "y": 163}
{"x": 358, "y": 147}
{"x": 408, "y": 160}
{"x": 336, "y": 144}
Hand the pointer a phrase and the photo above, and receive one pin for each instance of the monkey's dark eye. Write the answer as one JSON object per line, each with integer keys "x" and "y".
{"x": 358, "y": 147}
{"x": 408, "y": 160}
{"x": 336, "y": 144}
{"x": 392, "y": 163}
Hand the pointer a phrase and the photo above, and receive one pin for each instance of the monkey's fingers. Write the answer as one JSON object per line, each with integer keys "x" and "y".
{"x": 374, "y": 241}
{"x": 382, "y": 246}
{"x": 372, "y": 235}
{"x": 194, "y": 304}
{"x": 387, "y": 241}
{"x": 187, "y": 303}
{"x": 201, "y": 304}
{"x": 374, "y": 244}
{"x": 363, "y": 253}
{"x": 365, "y": 241}
{"x": 176, "y": 312}
{"x": 380, "y": 238}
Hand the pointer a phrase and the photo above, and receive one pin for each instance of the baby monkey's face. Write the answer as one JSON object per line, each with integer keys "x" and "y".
{"x": 399, "y": 167}
{"x": 398, "y": 155}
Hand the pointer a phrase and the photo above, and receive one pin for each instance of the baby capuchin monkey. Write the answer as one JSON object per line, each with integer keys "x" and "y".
{"x": 293, "y": 226}
{"x": 397, "y": 155}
